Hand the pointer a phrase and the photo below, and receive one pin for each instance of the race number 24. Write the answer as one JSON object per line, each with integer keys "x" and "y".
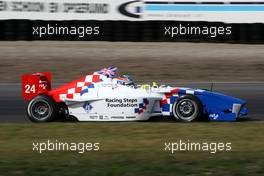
{"x": 30, "y": 88}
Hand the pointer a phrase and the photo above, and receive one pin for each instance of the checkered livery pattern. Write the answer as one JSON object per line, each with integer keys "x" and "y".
{"x": 81, "y": 87}
{"x": 142, "y": 106}
{"x": 169, "y": 99}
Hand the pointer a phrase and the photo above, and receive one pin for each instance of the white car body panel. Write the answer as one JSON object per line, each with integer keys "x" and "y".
{"x": 114, "y": 102}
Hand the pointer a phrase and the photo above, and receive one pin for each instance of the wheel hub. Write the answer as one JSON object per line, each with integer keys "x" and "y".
{"x": 186, "y": 108}
{"x": 40, "y": 110}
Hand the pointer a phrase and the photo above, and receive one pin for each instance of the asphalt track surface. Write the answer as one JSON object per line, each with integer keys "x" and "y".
{"x": 13, "y": 107}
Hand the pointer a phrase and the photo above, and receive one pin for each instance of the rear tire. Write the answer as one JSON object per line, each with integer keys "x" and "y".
{"x": 187, "y": 108}
{"x": 42, "y": 108}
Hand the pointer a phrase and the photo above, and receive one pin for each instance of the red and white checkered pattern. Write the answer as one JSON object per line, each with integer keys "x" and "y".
{"x": 74, "y": 91}
{"x": 167, "y": 96}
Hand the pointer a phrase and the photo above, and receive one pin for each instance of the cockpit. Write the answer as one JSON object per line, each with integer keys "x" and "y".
{"x": 124, "y": 80}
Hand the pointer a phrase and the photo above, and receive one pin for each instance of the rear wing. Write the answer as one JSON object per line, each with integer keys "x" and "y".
{"x": 35, "y": 84}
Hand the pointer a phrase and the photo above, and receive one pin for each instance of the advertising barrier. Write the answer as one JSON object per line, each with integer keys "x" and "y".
{"x": 135, "y": 20}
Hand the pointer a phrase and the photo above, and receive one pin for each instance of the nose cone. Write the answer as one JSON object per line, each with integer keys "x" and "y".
{"x": 224, "y": 98}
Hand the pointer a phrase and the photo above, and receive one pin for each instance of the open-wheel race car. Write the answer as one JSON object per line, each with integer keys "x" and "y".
{"x": 104, "y": 96}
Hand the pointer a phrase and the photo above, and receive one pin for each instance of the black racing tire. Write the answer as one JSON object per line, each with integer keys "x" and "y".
{"x": 42, "y": 108}
{"x": 188, "y": 108}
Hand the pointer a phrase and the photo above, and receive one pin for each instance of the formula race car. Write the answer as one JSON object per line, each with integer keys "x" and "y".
{"x": 104, "y": 96}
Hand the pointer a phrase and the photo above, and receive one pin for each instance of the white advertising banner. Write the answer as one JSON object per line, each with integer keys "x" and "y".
{"x": 232, "y": 11}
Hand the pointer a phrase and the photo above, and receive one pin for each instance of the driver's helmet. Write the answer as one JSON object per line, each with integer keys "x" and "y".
{"x": 125, "y": 80}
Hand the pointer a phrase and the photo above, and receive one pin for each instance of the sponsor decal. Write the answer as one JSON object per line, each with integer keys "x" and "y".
{"x": 123, "y": 9}
{"x": 54, "y": 7}
{"x": 213, "y": 116}
{"x": 134, "y": 10}
{"x": 87, "y": 107}
{"x": 121, "y": 102}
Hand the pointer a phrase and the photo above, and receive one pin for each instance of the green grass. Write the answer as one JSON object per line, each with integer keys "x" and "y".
{"x": 132, "y": 149}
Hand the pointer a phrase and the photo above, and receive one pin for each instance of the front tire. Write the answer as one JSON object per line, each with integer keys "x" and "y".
{"x": 187, "y": 108}
{"x": 42, "y": 108}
